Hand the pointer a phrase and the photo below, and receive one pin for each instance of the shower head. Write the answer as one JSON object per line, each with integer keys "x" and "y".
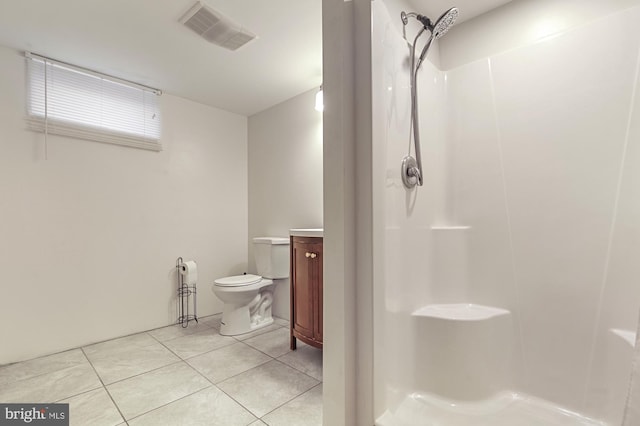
{"x": 442, "y": 25}
{"x": 444, "y": 22}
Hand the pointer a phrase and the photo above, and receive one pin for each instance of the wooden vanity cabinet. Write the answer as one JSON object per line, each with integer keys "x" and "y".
{"x": 306, "y": 290}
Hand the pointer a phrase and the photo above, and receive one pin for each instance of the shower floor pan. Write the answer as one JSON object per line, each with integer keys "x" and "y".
{"x": 504, "y": 409}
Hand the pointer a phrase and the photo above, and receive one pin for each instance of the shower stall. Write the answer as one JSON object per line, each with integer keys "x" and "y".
{"x": 506, "y": 288}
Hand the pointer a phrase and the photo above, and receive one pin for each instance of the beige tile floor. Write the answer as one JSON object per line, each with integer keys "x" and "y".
{"x": 178, "y": 376}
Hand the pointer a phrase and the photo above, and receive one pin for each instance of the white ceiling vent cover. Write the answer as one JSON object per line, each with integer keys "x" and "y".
{"x": 215, "y": 27}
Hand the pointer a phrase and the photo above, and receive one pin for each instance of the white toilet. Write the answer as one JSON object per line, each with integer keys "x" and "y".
{"x": 247, "y": 298}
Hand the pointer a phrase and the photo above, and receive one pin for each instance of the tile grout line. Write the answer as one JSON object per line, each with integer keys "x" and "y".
{"x": 252, "y": 368}
{"x": 277, "y": 358}
{"x": 222, "y": 390}
{"x": 150, "y": 371}
{"x": 45, "y": 373}
{"x": 144, "y": 372}
{"x": 295, "y": 397}
{"x": 207, "y": 379}
{"x": 259, "y": 334}
{"x": 260, "y": 365}
{"x": 113, "y": 339}
{"x": 104, "y": 387}
{"x": 206, "y": 329}
{"x": 255, "y": 367}
{"x": 179, "y": 360}
{"x": 295, "y": 368}
{"x": 171, "y": 402}
{"x": 193, "y": 356}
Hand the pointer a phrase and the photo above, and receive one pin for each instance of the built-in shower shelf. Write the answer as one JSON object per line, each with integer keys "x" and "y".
{"x": 626, "y": 335}
{"x": 450, "y": 228}
{"x": 465, "y": 349}
{"x": 460, "y": 312}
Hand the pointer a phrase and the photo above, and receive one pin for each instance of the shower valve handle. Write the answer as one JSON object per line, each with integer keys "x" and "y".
{"x": 415, "y": 172}
{"x": 410, "y": 172}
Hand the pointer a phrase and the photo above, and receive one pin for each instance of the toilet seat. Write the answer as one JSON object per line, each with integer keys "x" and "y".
{"x": 238, "y": 280}
{"x": 241, "y": 283}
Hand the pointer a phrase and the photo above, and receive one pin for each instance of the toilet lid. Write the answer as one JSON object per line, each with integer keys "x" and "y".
{"x": 238, "y": 280}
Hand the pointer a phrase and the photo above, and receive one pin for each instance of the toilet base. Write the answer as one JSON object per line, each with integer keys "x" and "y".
{"x": 230, "y": 330}
{"x": 247, "y": 318}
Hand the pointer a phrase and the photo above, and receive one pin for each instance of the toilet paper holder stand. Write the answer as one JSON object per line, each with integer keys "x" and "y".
{"x": 185, "y": 293}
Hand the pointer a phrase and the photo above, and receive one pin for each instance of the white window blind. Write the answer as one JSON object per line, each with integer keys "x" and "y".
{"x": 79, "y": 103}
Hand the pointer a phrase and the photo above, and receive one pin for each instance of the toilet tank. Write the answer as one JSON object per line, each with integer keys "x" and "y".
{"x": 272, "y": 256}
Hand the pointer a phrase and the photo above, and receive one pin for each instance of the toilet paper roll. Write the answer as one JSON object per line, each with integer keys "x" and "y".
{"x": 189, "y": 271}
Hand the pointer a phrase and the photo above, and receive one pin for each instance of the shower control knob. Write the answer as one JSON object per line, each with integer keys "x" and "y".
{"x": 410, "y": 172}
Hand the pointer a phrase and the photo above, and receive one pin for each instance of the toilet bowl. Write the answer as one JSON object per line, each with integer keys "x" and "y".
{"x": 247, "y": 303}
{"x": 248, "y": 298}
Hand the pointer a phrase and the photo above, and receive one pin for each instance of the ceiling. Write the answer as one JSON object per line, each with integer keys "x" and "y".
{"x": 142, "y": 40}
{"x": 469, "y": 9}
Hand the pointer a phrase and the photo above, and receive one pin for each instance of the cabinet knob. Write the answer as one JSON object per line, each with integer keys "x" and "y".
{"x": 307, "y": 254}
{"x": 313, "y": 255}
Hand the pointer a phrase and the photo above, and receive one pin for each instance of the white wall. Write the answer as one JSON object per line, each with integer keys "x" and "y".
{"x": 339, "y": 158}
{"x": 285, "y": 176}
{"x": 89, "y": 237}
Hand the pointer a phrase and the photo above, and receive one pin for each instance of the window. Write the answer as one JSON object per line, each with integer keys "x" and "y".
{"x": 71, "y": 101}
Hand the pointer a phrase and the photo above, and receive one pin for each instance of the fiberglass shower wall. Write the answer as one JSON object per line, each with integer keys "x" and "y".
{"x": 534, "y": 155}
{"x": 402, "y": 219}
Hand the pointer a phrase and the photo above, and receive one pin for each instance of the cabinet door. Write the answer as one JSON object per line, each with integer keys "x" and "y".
{"x": 303, "y": 293}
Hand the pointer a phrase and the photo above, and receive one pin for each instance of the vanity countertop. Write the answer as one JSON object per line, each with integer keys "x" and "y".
{"x": 309, "y": 232}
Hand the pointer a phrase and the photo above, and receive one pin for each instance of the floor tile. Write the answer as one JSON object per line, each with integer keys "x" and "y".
{"x": 167, "y": 391}
{"x": 176, "y": 330}
{"x": 212, "y": 321}
{"x": 258, "y": 332}
{"x": 305, "y": 410}
{"x": 227, "y": 362}
{"x": 35, "y": 367}
{"x": 264, "y": 388}
{"x": 281, "y": 322}
{"x": 306, "y": 359}
{"x": 119, "y": 344}
{"x": 52, "y": 386}
{"x": 93, "y": 408}
{"x": 274, "y": 343}
{"x": 123, "y": 358}
{"x": 137, "y": 395}
{"x": 198, "y": 343}
{"x": 209, "y": 407}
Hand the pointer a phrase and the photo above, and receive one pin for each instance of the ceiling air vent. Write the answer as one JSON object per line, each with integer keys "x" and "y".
{"x": 216, "y": 28}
